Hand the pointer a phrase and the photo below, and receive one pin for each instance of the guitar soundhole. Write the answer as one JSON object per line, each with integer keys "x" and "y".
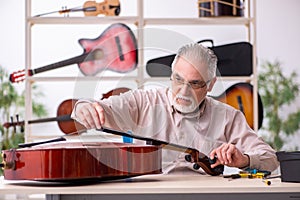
{"x": 98, "y": 54}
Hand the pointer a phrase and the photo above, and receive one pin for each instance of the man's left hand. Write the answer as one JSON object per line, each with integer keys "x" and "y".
{"x": 230, "y": 156}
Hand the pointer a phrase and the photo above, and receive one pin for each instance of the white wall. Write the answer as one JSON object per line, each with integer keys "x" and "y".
{"x": 278, "y": 33}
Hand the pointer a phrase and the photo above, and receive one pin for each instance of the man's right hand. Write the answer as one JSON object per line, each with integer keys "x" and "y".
{"x": 91, "y": 115}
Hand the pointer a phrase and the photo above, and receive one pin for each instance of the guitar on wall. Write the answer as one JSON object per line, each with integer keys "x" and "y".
{"x": 240, "y": 96}
{"x": 115, "y": 49}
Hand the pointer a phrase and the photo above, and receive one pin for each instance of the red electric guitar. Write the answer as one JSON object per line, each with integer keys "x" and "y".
{"x": 115, "y": 49}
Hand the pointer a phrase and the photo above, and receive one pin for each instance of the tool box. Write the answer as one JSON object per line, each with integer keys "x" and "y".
{"x": 289, "y": 166}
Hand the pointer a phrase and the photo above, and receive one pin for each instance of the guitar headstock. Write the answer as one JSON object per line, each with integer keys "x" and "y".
{"x": 18, "y": 76}
{"x": 13, "y": 124}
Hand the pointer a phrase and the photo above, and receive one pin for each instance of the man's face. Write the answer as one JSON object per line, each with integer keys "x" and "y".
{"x": 189, "y": 85}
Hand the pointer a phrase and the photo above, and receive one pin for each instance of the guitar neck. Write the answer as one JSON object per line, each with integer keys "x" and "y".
{"x": 51, "y": 119}
{"x": 70, "y": 61}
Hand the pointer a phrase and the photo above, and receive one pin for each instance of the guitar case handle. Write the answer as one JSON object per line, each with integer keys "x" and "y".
{"x": 207, "y": 40}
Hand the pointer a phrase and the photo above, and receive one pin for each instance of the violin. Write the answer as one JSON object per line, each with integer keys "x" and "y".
{"x": 92, "y": 8}
{"x": 63, "y": 117}
{"x": 107, "y": 7}
{"x": 115, "y": 49}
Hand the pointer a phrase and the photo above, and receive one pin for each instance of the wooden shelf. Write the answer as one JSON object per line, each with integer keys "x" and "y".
{"x": 81, "y": 20}
{"x": 198, "y": 21}
{"x": 81, "y": 78}
{"x": 147, "y": 21}
{"x": 223, "y": 78}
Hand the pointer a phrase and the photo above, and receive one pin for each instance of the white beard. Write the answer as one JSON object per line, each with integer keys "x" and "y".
{"x": 182, "y": 108}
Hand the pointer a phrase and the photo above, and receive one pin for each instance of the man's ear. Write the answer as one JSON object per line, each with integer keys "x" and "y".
{"x": 211, "y": 84}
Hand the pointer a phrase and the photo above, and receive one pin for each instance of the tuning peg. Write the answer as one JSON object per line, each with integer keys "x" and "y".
{"x": 212, "y": 161}
{"x": 12, "y": 122}
{"x": 196, "y": 166}
{"x": 22, "y": 129}
{"x": 188, "y": 158}
{"x": 18, "y": 122}
{"x": 65, "y": 11}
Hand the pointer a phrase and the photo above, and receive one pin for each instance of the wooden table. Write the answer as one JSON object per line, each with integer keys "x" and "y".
{"x": 160, "y": 187}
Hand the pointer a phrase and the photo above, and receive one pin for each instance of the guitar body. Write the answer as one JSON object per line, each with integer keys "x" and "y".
{"x": 70, "y": 126}
{"x": 65, "y": 108}
{"x": 79, "y": 161}
{"x": 115, "y": 49}
{"x": 240, "y": 96}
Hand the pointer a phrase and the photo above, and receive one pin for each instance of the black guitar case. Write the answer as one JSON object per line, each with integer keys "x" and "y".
{"x": 234, "y": 59}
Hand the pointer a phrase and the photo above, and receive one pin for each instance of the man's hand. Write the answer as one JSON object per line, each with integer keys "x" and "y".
{"x": 91, "y": 115}
{"x": 230, "y": 156}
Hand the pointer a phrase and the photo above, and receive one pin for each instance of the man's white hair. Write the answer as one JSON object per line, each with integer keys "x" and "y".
{"x": 197, "y": 54}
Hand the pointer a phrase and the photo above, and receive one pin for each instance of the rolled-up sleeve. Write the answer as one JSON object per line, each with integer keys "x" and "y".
{"x": 261, "y": 155}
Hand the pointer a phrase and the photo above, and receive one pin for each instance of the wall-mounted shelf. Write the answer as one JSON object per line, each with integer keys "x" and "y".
{"x": 147, "y": 21}
{"x": 89, "y": 78}
{"x": 249, "y": 22}
{"x": 81, "y": 20}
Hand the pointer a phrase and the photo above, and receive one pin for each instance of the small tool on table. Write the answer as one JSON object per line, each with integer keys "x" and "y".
{"x": 251, "y": 173}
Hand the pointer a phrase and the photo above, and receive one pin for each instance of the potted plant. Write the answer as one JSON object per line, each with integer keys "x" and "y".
{"x": 277, "y": 91}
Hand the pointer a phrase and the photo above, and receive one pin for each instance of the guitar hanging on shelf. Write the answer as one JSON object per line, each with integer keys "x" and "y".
{"x": 115, "y": 49}
{"x": 240, "y": 96}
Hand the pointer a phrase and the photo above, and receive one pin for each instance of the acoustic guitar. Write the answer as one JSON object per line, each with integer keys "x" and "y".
{"x": 240, "y": 96}
{"x": 115, "y": 49}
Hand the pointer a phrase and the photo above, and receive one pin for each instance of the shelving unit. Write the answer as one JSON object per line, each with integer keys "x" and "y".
{"x": 140, "y": 22}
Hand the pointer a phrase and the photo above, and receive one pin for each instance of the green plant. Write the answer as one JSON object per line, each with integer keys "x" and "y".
{"x": 12, "y": 103}
{"x": 277, "y": 91}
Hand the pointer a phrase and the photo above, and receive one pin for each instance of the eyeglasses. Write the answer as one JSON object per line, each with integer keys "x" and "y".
{"x": 196, "y": 84}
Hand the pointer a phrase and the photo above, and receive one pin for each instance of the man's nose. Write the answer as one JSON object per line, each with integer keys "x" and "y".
{"x": 186, "y": 88}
